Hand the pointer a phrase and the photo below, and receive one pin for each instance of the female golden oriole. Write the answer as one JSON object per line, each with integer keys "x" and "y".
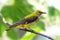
{"x": 27, "y": 21}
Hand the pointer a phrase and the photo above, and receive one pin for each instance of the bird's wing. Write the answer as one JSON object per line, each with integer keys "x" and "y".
{"x": 25, "y": 21}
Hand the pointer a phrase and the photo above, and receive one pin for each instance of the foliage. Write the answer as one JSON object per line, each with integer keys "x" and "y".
{"x": 13, "y": 13}
{"x": 19, "y": 10}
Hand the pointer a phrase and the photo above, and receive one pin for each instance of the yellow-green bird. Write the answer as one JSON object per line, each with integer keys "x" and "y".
{"x": 27, "y": 21}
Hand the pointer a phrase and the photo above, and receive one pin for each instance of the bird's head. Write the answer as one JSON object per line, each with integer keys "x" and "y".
{"x": 40, "y": 12}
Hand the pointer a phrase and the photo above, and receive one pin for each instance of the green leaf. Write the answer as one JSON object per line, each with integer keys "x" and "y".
{"x": 41, "y": 25}
{"x": 15, "y": 12}
{"x": 2, "y": 27}
{"x": 57, "y": 12}
{"x": 41, "y": 17}
{"x": 51, "y": 14}
{"x": 51, "y": 11}
{"x": 12, "y": 34}
{"x": 29, "y": 35}
{"x": 57, "y": 38}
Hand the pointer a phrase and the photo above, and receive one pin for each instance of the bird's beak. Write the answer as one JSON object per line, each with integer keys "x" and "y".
{"x": 43, "y": 12}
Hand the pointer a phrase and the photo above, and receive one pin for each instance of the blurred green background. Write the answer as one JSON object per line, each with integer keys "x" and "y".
{"x": 18, "y": 10}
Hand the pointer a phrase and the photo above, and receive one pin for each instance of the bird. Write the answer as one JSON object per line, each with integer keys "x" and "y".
{"x": 27, "y": 21}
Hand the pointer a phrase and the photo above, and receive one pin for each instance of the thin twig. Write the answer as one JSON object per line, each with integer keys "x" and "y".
{"x": 4, "y": 20}
{"x": 32, "y": 31}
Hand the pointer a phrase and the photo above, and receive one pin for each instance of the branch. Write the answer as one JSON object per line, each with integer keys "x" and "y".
{"x": 32, "y": 31}
{"x": 4, "y": 20}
